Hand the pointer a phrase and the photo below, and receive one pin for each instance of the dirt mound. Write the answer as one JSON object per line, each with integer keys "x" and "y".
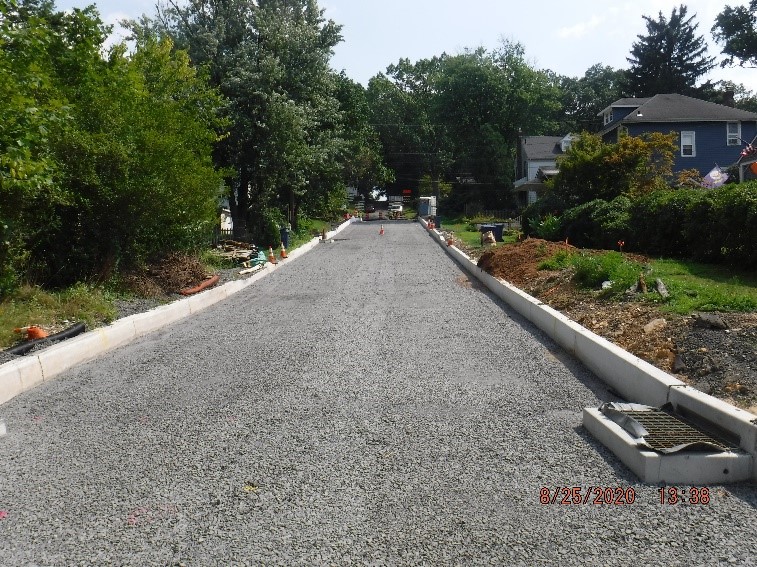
{"x": 519, "y": 263}
{"x": 171, "y": 274}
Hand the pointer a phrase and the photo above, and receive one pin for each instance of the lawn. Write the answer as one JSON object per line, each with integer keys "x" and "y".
{"x": 705, "y": 287}
{"x": 465, "y": 230}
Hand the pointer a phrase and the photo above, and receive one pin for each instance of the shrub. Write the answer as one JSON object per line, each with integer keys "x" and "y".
{"x": 592, "y": 270}
{"x": 560, "y": 260}
{"x": 549, "y": 228}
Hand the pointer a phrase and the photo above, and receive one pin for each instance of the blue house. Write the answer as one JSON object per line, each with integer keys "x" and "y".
{"x": 709, "y": 134}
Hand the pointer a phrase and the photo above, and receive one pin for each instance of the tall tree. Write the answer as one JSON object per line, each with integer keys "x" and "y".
{"x": 401, "y": 105}
{"x": 362, "y": 159}
{"x": 583, "y": 98}
{"x": 670, "y": 58}
{"x": 736, "y": 30}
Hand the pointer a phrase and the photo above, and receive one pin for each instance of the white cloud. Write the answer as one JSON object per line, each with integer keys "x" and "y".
{"x": 579, "y": 30}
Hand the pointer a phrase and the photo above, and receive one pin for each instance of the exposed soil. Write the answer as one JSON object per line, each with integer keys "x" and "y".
{"x": 718, "y": 361}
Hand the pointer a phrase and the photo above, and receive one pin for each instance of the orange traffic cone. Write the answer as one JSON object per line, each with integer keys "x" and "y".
{"x": 271, "y": 257}
{"x": 381, "y": 232}
{"x": 284, "y": 255}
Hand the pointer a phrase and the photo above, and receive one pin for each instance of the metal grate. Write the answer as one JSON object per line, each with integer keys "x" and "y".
{"x": 666, "y": 432}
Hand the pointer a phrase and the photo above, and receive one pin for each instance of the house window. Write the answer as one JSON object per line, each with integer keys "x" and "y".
{"x": 734, "y": 133}
{"x": 688, "y": 145}
{"x": 608, "y": 117}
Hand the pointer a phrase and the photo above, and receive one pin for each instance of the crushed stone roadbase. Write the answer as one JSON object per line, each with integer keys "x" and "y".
{"x": 367, "y": 404}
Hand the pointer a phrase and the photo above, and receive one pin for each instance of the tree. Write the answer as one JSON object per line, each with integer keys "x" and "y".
{"x": 456, "y": 118}
{"x": 362, "y": 158}
{"x": 31, "y": 110}
{"x": 634, "y": 166}
{"x": 401, "y": 104}
{"x": 585, "y": 97}
{"x": 271, "y": 60}
{"x": 669, "y": 59}
{"x": 736, "y": 29}
{"x": 104, "y": 162}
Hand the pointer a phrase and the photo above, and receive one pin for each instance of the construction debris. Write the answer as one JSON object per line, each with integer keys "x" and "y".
{"x": 233, "y": 250}
{"x": 661, "y": 289}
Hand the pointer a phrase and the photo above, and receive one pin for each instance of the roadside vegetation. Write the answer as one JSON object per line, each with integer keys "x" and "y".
{"x": 692, "y": 286}
{"x": 54, "y": 311}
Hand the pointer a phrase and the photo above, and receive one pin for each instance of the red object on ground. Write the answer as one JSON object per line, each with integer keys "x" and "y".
{"x": 198, "y": 288}
{"x": 33, "y": 332}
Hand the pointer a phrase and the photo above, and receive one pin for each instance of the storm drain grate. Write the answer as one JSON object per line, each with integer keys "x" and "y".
{"x": 661, "y": 431}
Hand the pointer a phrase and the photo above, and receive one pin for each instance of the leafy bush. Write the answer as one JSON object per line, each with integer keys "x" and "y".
{"x": 598, "y": 223}
{"x": 549, "y": 228}
{"x": 719, "y": 225}
{"x": 535, "y": 212}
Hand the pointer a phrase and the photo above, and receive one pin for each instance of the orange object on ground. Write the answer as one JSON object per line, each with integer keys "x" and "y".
{"x": 198, "y": 288}
{"x": 271, "y": 257}
{"x": 284, "y": 255}
{"x": 381, "y": 232}
{"x": 33, "y": 332}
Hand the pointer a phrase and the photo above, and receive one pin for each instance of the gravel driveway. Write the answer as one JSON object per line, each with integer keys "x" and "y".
{"x": 366, "y": 405}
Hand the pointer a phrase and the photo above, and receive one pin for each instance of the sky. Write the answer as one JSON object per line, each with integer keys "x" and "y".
{"x": 567, "y": 37}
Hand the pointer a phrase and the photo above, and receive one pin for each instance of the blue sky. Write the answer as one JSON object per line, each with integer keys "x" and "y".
{"x": 567, "y": 37}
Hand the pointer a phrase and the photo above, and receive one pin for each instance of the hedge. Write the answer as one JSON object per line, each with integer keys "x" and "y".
{"x": 718, "y": 225}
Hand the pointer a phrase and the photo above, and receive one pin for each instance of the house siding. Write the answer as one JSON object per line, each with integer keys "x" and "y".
{"x": 619, "y": 114}
{"x": 711, "y": 142}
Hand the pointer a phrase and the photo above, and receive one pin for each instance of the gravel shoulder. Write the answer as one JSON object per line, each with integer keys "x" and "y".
{"x": 367, "y": 404}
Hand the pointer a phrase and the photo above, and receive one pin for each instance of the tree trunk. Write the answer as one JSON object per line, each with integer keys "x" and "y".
{"x": 239, "y": 211}
{"x": 293, "y": 209}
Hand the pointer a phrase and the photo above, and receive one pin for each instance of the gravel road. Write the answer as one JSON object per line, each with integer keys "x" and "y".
{"x": 367, "y": 404}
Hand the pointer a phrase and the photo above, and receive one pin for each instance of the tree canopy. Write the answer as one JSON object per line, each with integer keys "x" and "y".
{"x": 736, "y": 30}
{"x": 670, "y": 58}
{"x": 103, "y": 161}
{"x": 456, "y": 119}
{"x": 593, "y": 169}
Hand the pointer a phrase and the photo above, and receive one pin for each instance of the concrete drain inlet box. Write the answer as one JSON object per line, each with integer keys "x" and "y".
{"x": 659, "y": 446}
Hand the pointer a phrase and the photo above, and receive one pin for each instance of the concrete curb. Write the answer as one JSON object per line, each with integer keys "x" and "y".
{"x": 20, "y": 375}
{"x": 633, "y": 378}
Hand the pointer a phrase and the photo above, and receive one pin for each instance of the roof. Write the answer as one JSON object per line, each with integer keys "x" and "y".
{"x": 680, "y": 108}
{"x": 624, "y": 103}
{"x": 541, "y": 147}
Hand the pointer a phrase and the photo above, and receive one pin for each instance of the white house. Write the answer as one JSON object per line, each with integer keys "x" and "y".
{"x": 536, "y": 161}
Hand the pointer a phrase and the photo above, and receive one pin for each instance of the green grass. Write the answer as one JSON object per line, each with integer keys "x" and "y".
{"x": 33, "y": 306}
{"x": 306, "y": 231}
{"x": 465, "y": 230}
{"x": 704, "y": 287}
{"x": 692, "y": 286}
